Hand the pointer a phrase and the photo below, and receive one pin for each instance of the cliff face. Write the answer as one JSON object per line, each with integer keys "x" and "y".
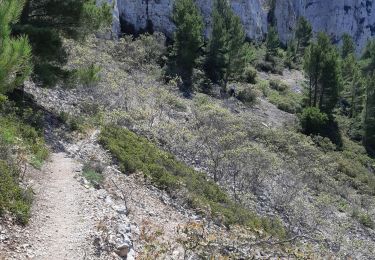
{"x": 137, "y": 13}
{"x": 356, "y": 17}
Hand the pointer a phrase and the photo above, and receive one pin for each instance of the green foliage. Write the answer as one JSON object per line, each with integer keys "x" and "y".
{"x": 286, "y": 100}
{"x": 303, "y": 35}
{"x": 272, "y": 43}
{"x": 368, "y": 67}
{"x": 14, "y": 132}
{"x": 227, "y": 53}
{"x": 348, "y": 47}
{"x": 368, "y": 58}
{"x": 135, "y": 153}
{"x": 291, "y": 58}
{"x": 250, "y": 75}
{"x": 92, "y": 175}
{"x": 278, "y": 85}
{"x": 46, "y": 22}
{"x": 75, "y": 123}
{"x": 264, "y": 87}
{"x": 364, "y": 219}
{"x": 322, "y": 68}
{"x": 201, "y": 82}
{"x": 19, "y": 143}
{"x": 369, "y": 116}
{"x": 12, "y": 197}
{"x": 15, "y": 53}
{"x": 324, "y": 143}
{"x": 313, "y": 121}
{"x": 248, "y": 96}
{"x": 188, "y": 37}
{"x": 88, "y": 76}
{"x": 142, "y": 52}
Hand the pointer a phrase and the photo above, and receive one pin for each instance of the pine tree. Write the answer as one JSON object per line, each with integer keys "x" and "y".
{"x": 369, "y": 116}
{"x": 272, "y": 42}
{"x": 226, "y": 53}
{"x": 330, "y": 82}
{"x": 15, "y": 53}
{"x": 323, "y": 70}
{"x": 303, "y": 34}
{"x": 188, "y": 37}
{"x": 347, "y": 46}
{"x": 45, "y": 22}
{"x": 353, "y": 85}
{"x": 368, "y": 68}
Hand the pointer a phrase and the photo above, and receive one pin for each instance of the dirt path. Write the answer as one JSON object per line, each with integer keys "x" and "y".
{"x": 60, "y": 221}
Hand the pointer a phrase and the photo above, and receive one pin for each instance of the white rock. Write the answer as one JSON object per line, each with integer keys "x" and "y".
{"x": 356, "y": 17}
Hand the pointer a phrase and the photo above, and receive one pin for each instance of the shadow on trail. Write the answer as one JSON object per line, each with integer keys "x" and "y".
{"x": 51, "y": 125}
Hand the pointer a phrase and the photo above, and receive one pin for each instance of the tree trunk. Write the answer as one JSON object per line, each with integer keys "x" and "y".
{"x": 25, "y": 12}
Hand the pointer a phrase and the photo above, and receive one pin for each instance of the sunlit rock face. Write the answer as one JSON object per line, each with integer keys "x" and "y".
{"x": 139, "y": 14}
{"x": 355, "y": 17}
{"x": 336, "y": 17}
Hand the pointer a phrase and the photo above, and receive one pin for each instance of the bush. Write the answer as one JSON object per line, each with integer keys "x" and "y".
{"x": 363, "y": 218}
{"x": 264, "y": 87}
{"x": 265, "y": 66}
{"x": 12, "y": 197}
{"x": 94, "y": 176}
{"x": 249, "y": 75}
{"x": 313, "y": 121}
{"x": 278, "y": 85}
{"x": 248, "y": 96}
{"x": 287, "y": 101}
{"x": 135, "y": 153}
{"x": 366, "y": 220}
{"x": 201, "y": 82}
{"x": 142, "y": 52}
{"x": 88, "y": 76}
{"x": 324, "y": 143}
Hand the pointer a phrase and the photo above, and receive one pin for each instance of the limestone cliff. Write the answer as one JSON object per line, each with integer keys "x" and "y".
{"x": 335, "y": 17}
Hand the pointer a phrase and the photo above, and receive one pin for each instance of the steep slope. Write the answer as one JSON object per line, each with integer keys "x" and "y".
{"x": 263, "y": 162}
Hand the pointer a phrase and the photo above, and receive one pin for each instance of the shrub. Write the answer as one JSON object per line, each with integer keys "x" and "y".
{"x": 278, "y": 85}
{"x": 366, "y": 220}
{"x": 135, "y": 153}
{"x": 324, "y": 143}
{"x": 313, "y": 121}
{"x": 201, "y": 82}
{"x": 287, "y": 101}
{"x": 12, "y": 197}
{"x": 265, "y": 66}
{"x": 363, "y": 218}
{"x": 264, "y": 87}
{"x": 92, "y": 175}
{"x": 248, "y": 96}
{"x": 88, "y": 76}
{"x": 249, "y": 75}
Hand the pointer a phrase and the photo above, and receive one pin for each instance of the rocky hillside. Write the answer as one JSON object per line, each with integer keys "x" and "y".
{"x": 356, "y": 17}
{"x": 261, "y": 161}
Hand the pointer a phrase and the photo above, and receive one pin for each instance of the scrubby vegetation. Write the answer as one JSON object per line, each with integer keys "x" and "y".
{"x": 250, "y": 168}
{"x": 135, "y": 153}
{"x": 20, "y": 144}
